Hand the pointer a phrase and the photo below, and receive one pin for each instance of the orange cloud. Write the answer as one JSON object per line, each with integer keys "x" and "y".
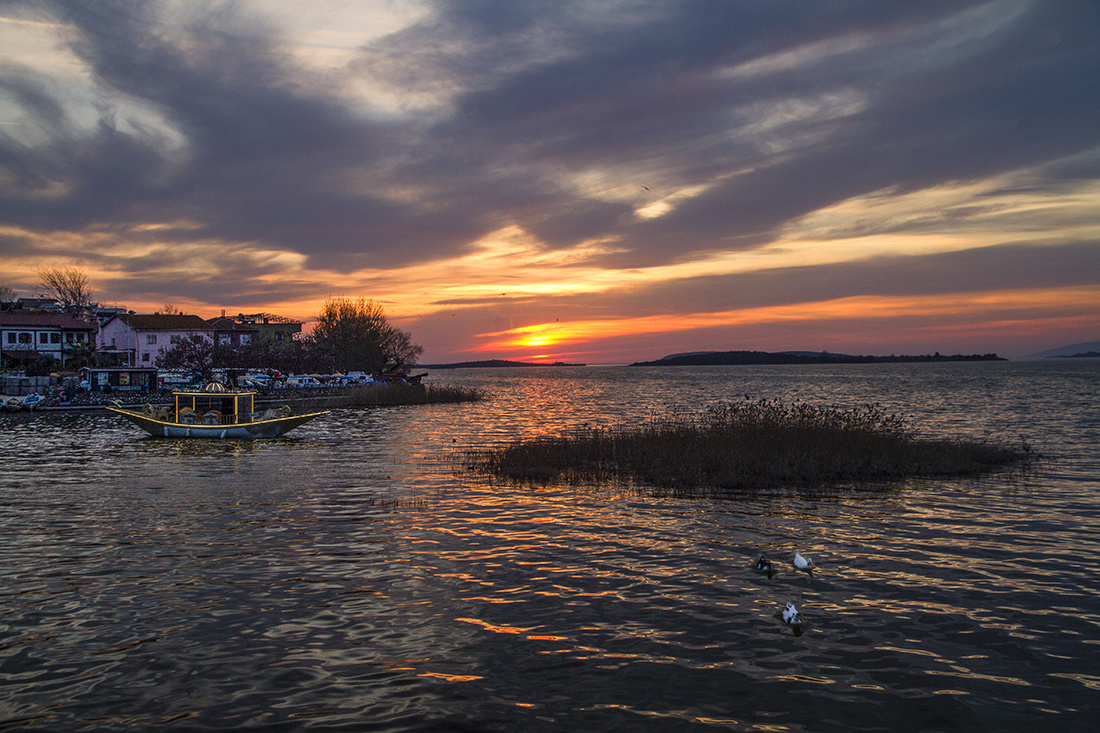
{"x": 985, "y": 310}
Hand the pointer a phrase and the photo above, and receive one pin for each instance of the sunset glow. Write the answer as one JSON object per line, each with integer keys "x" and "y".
{"x": 953, "y": 314}
{"x": 904, "y": 181}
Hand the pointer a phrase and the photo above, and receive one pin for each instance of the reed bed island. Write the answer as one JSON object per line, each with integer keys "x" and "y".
{"x": 748, "y": 446}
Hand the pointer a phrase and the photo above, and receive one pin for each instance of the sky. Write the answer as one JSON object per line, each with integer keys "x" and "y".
{"x": 596, "y": 181}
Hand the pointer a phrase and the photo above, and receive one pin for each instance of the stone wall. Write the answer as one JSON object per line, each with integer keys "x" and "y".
{"x": 20, "y": 386}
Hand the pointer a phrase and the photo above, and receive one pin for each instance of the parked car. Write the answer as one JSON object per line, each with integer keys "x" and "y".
{"x": 173, "y": 380}
{"x": 356, "y": 378}
{"x": 256, "y": 380}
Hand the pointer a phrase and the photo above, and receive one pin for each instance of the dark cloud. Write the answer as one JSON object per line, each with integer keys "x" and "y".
{"x": 984, "y": 269}
{"x": 938, "y": 92}
{"x": 871, "y": 96}
{"x": 219, "y": 290}
{"x": 263, "y": 158}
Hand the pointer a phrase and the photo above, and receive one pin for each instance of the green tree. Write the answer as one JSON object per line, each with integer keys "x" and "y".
{"x": 79, "y": 355}
{"x": 355, "y": 335}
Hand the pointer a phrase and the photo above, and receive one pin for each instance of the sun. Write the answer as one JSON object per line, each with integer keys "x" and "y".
{"x": 540, "y": 340}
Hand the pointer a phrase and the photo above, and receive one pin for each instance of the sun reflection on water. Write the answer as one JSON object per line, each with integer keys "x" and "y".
{"x": 355, "y": 572}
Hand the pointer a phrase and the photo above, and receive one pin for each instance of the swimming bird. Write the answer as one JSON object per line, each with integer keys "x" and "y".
{"x": 764, "y": 565}
{"x": 802, "y": 563}
{"x": 791, "y": 616}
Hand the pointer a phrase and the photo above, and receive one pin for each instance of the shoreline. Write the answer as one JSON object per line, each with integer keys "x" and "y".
{"x": 308, "y": 398}
{"x": 296, "y": 397}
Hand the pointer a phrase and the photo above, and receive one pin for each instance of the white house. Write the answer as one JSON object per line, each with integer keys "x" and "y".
{"x": 27, "y": 335}
{"x": 137, "y": 340}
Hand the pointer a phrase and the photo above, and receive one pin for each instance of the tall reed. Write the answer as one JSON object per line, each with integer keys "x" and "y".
{"x": 748, "y": 445}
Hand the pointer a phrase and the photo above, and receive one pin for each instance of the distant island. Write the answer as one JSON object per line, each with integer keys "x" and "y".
{"x": 728, "y": 358}
{"x": 494, "y": 363}
{"x": 1085, "y": 350}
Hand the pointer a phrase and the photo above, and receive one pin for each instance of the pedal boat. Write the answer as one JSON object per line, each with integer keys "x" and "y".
{"x": 213, "y": 412}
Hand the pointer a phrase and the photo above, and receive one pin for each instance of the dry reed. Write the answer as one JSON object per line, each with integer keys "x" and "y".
{"x": 746, "y": 446}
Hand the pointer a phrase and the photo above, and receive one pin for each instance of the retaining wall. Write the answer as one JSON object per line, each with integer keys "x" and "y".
{"x": 20, "y": 386}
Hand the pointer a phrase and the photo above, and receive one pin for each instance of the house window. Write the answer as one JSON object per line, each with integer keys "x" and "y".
{"x": 70, "y": 337}
{"x": 246, "y": 339}
{"x": 279, "y": 335}
{"x": 25, "y": 338}
{"x": 55, "y": 338}
{"x": 145, "y": 357}
{"x": 225, "y": 339}
{"x": 151, "y": 338}
{"x": 11, "y": 337}
{"x": 112, "y": 343}
{"x": 174, "y": 338}
{"x": 43, "y": 338}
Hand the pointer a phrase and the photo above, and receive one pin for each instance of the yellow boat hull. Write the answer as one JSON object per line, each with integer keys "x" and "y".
{"x": 272, "y": 428}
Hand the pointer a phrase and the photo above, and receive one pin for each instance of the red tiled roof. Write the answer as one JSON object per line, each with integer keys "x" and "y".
{"x": 158, "y": 322}
{"x": 32, "y": 319}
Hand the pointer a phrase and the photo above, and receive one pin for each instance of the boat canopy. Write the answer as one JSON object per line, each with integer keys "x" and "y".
{"x": 230, "y": 407}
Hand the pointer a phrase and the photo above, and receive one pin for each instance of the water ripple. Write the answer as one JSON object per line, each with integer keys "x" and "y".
{"x": 353, "y": 578}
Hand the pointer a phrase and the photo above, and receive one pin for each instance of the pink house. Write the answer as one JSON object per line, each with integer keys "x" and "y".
{"x": 137, "y": 340}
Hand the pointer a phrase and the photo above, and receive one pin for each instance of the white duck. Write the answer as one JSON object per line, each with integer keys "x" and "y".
{"x": 802, "y": 563}
{"x": 791, "y": 616}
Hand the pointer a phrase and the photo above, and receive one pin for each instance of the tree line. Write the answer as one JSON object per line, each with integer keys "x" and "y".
{"x": 350, "y": 335}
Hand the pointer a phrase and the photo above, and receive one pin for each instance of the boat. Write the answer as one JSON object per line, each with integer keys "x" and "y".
{"x": 18, "y": 404}
{"x": 213, "y": 412}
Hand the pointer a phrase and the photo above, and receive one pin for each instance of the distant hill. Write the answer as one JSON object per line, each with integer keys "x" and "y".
{"x": 1087, "y": 349}
{"x": 728, "y": 358}
{"x": 493, "y": 363}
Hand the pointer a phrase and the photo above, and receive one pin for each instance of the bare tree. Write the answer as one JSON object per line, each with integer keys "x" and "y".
{"x": 354, "y": 334}
{"x": 69, "y": 285}
{"x": 170, "y": 310}
{"x": 195, "y": 353}
{"x": 7, "y": 293}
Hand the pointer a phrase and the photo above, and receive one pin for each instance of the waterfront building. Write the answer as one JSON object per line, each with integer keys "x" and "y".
{"x": 228, "y": 332}
{"x": 122, "y": 379}
{"x": 267, "y": 325}
{"x": 136, "y": 340}
{"x": 27, "y": 335}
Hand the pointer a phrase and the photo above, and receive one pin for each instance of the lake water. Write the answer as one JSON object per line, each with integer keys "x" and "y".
{"x": 353, "y": 577}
